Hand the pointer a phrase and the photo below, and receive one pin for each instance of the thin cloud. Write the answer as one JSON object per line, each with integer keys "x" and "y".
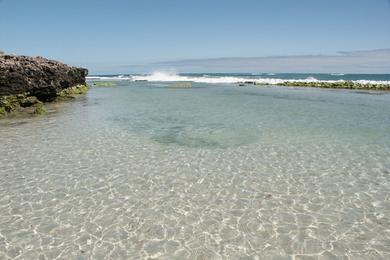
{"x": 371, "y": 61}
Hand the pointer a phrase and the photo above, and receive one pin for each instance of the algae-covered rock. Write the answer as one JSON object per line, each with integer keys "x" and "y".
{"x": 26, "y": 82}
{"x": 28, "y": 101}
{"x": 2, "y": 111}
{"x": 104, "y": 84}
{"x": 337, "y": 85}
{"x": 25, "y": 104}
{"x": 39, "y": 109}
{"x": 73, "y": 91}
{"x": 21, "y": 104}
{"x": 9, "y": 103}
{"x": 38, "y": 76}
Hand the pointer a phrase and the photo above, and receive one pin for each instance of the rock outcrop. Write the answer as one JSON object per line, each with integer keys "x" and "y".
{"x": 37, "y": 76}
{"x": 27, "y": 82}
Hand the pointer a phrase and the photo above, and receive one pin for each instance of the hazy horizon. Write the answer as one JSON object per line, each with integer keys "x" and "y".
{"x": 359, "y": 62}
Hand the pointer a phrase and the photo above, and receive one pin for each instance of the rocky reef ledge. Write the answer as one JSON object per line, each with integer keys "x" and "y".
{"x": 26, "y": 83}
{"x": 338, "y": 85}
{"x": 333, "y": 85}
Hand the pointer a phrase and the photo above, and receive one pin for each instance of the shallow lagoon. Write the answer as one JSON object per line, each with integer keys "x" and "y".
{"x": 141, "y": 170}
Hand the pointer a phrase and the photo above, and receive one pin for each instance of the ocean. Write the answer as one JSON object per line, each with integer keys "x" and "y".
{"x": 143, "y": 169}
{"x": 268, "y": 78}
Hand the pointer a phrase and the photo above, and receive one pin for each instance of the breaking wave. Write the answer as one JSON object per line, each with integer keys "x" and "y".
{"x": 220, "y": 79}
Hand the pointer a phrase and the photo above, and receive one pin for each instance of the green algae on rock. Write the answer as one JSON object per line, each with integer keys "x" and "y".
{"x": 38, "y": 76}
{"x": 24, "y": 104}
{"x": 13, "y": 105}
{"x": 104, "y": 84}
{"x": 73, "y": 91}
{"x": 334, "y": 85}
{"x": 39, "y": 109}
{"x": 20, "y": 104}
{"x": 26, "y": 83}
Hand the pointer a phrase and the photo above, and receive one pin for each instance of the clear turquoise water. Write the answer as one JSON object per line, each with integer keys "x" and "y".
{"x": 143, "y": 170}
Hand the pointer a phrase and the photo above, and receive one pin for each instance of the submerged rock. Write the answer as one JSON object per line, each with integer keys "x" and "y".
{"x": 37, "y": 76}
{"x": 104, "y": 84}
{"x": 182, "y": 85}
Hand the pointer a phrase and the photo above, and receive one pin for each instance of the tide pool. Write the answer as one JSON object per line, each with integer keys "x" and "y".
{"x": 143, "y": 170}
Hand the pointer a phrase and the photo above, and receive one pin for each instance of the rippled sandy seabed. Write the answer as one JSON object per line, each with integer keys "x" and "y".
{"x": 142, "y": 171}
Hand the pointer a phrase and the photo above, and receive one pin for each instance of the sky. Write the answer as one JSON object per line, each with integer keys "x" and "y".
{"x": 119, "y": 36}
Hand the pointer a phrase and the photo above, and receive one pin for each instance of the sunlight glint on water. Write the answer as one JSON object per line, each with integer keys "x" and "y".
{"x": 141, "y": 170}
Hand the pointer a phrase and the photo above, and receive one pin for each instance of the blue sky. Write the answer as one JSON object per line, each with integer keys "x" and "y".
{"x": 126, "y": 36}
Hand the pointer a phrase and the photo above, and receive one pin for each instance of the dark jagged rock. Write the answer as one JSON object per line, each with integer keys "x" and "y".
{"x": 37, "y": 76}
{"x": 27, "y": 82}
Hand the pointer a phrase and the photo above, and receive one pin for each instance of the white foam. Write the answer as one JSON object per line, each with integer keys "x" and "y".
{"x": 173, "y": 77}
{"x": 111, "y": 78}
